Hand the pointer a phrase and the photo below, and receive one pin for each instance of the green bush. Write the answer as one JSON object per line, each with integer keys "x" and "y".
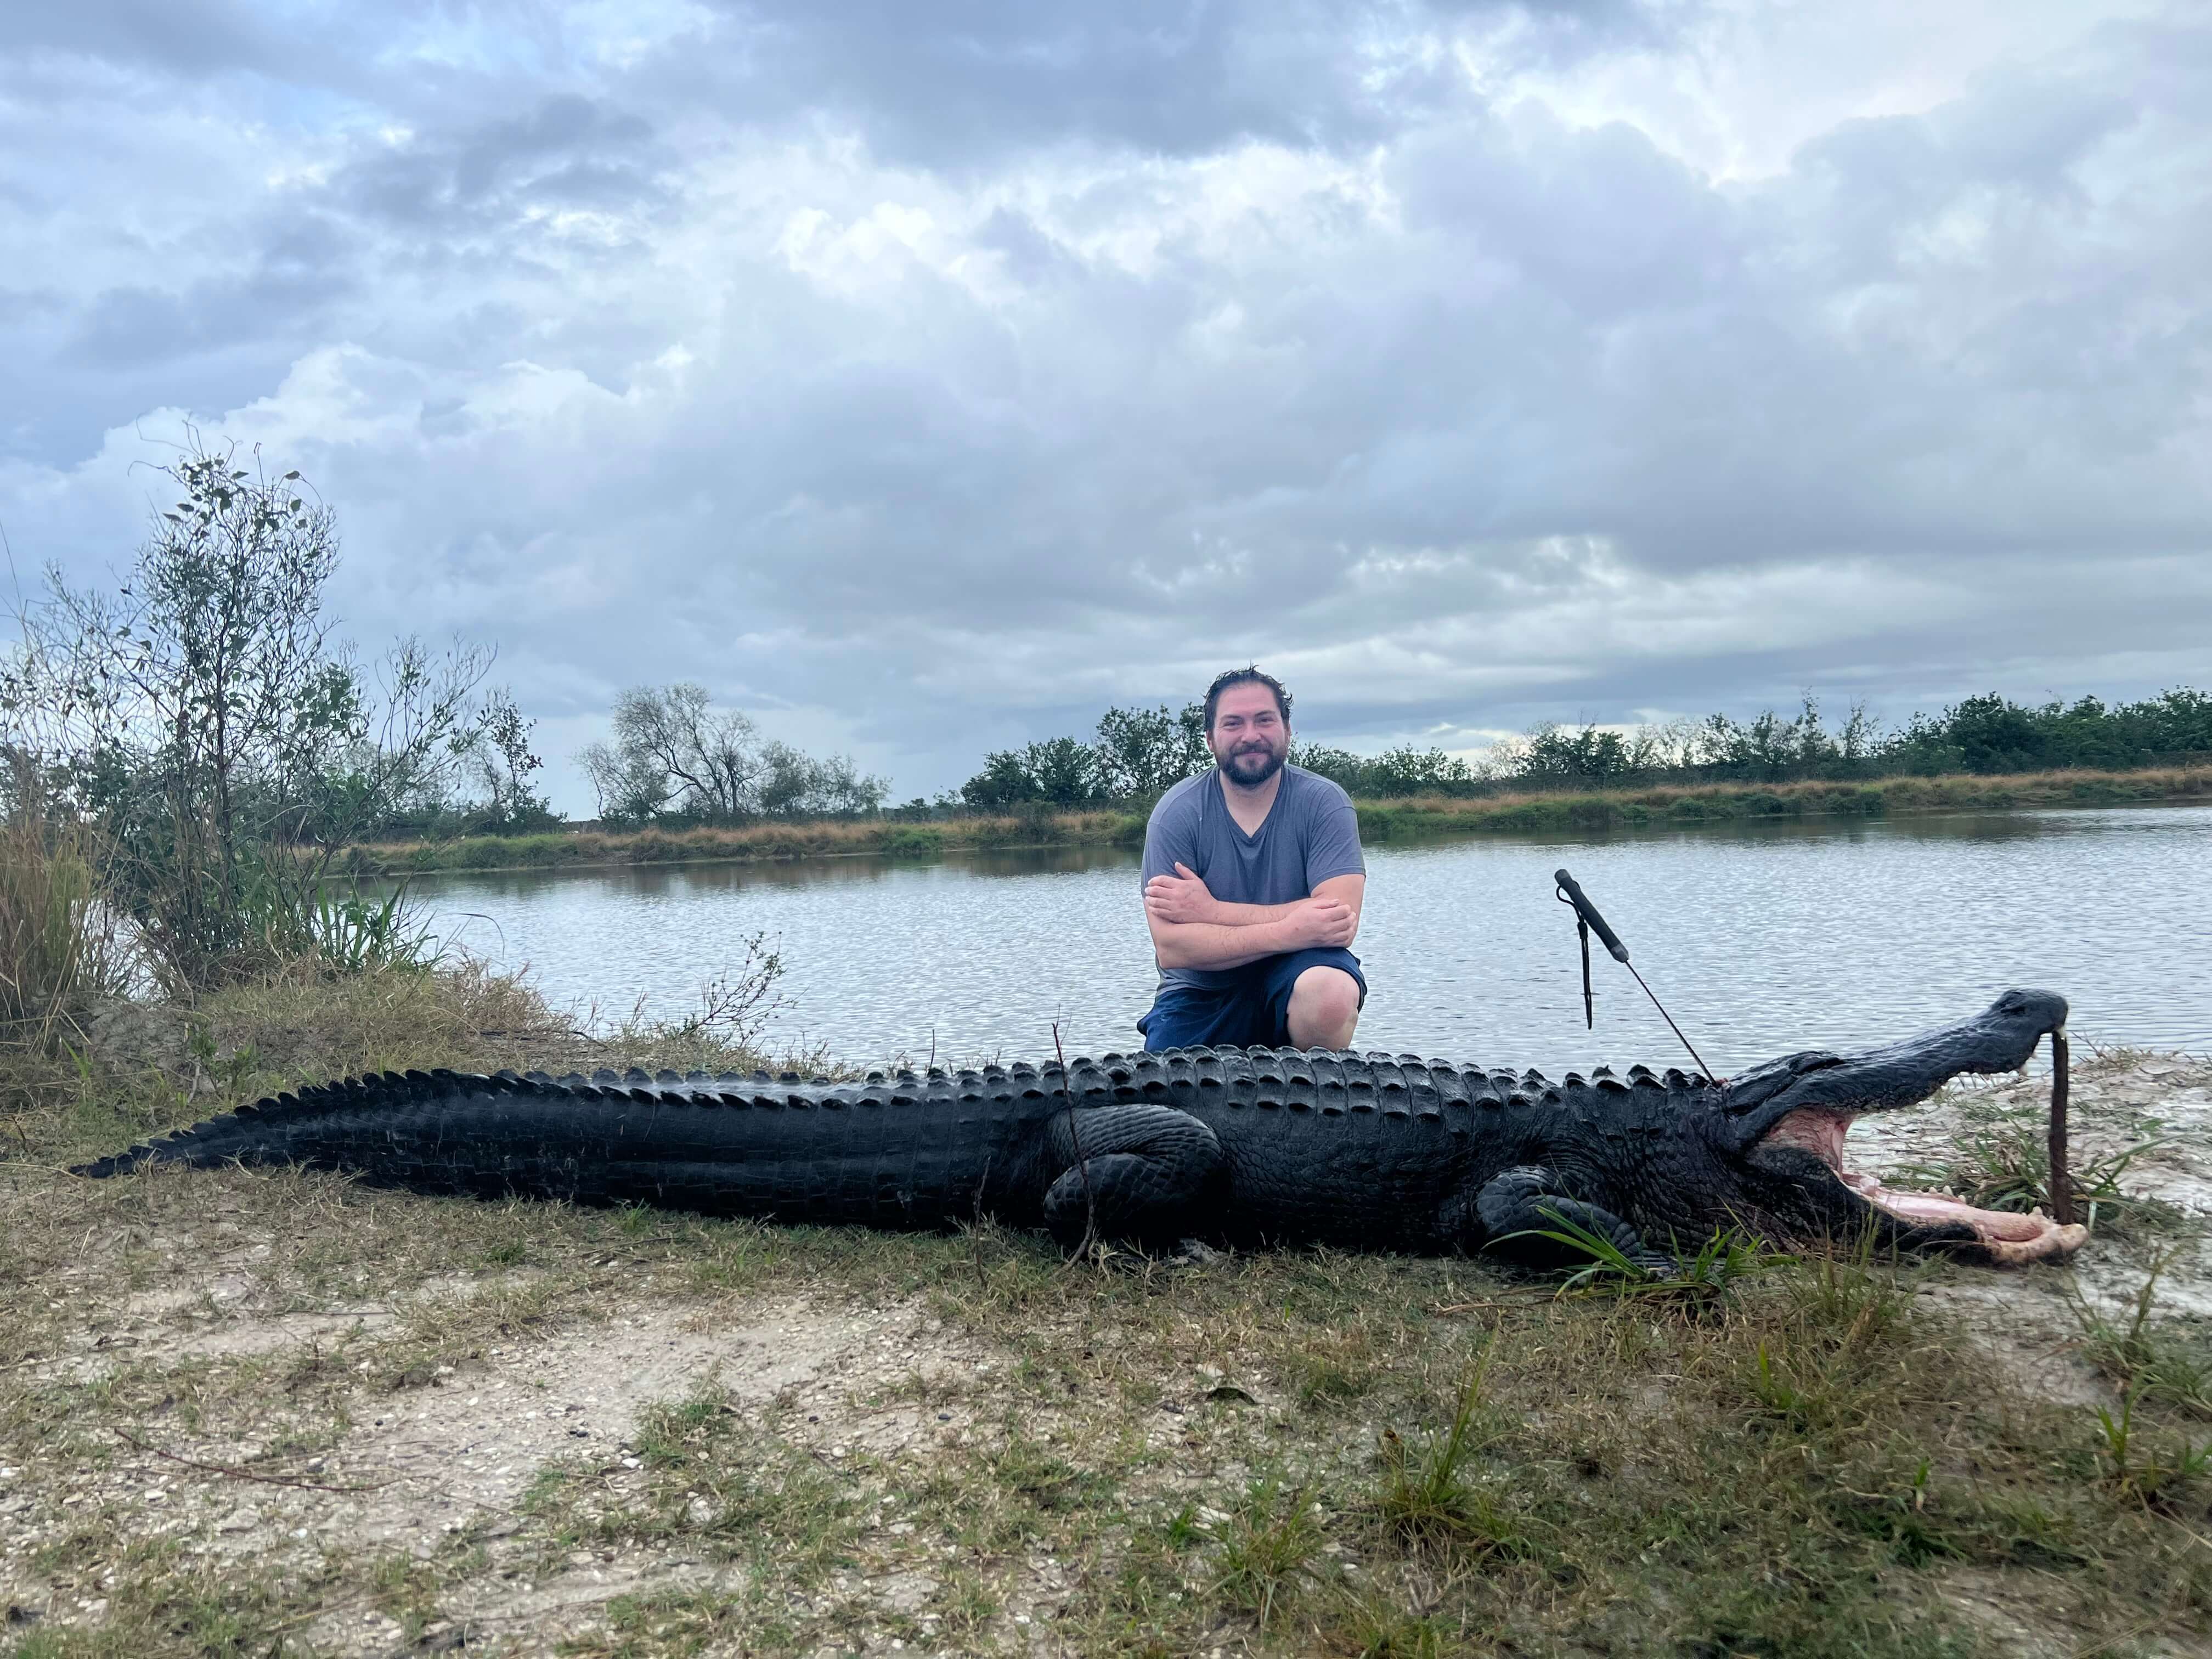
{"x": 914, "y": 843}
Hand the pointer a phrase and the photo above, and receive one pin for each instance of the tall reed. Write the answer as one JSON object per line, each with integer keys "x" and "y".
{"x": 56, "y": 955}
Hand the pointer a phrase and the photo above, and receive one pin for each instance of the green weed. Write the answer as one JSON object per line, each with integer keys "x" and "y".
{"x": 1427, "y": 1498}
{"x": 2143, "y": 1356}
{"x": 2145, "y": 1475}
{"x": 720, "y": 1482}
{"x": 1724, "y": 1260}
{"x": 1267, "y": 1548}
{"x": 666, "y": 1623}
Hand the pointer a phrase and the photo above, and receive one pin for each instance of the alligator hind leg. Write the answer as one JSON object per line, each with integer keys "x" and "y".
{"x": 1516, "y": 1209}
{"x": 1154, "y": 1177}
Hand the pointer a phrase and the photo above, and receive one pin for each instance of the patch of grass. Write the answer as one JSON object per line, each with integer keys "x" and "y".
{"x": 407, "y": 1590}
{"x": 1329, "y": 1367}
{"x": 1428, "y": 1498}
{"x": 664, "y": 1623}
{"x": 1372, "y": 1626}
{"x": 965, "y": 1604}
{"x": 720, "y": 1483}
{"x": 1039, "y": 1477}
{"x": 2143, "y": 1471}
{"x": 1720, "y": 1263}
{"x": 1268, "y": 1546}
{"x": 1790, "y": 1619}
{"x": 2144, "y": 1355}
{"x": 159, "y": 1599}
{"x": 1828, "y": 1359}
{"x": 1859, "y": 1297}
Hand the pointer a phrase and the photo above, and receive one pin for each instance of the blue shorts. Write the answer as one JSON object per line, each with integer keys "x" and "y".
{"x": 1251, "y": 1012}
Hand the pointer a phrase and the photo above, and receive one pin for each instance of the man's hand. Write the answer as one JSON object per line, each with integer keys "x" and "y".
{"x": 1324, "y": 922}
{"x": 1181, "y": 897}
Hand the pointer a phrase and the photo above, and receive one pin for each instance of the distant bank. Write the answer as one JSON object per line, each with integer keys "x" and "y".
{"x": 1379, "y": 820}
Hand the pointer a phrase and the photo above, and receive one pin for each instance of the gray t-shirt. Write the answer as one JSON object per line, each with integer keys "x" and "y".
{"x": 1310, "y": 834}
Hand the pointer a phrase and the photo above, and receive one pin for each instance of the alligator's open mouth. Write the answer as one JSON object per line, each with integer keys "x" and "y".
{"x": 2010, "y": 1237}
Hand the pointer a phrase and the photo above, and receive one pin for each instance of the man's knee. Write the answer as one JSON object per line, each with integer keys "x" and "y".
{"x": 1324, "y": 1008}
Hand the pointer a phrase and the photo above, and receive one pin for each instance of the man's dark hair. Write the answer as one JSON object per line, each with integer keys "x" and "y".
{"x": 1246, "y": 677}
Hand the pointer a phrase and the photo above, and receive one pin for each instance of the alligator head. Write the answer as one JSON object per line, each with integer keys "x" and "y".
{"x": 1780, "y": 1130}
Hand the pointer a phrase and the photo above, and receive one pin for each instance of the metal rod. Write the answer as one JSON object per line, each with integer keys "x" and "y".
{"x": 2062, "y": 1186}
{"x": 1711, "y": 1076}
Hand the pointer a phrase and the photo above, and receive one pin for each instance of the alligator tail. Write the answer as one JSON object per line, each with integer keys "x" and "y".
{"x": 378, "y": 1125}
{"x": 872, "y": 1156}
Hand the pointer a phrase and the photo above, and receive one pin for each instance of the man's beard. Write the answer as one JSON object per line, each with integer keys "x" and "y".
{"x": 1244, "y": 780}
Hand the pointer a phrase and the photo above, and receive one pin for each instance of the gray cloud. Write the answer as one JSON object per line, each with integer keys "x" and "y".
{"x": 292, "y": 279}
{"x": 190, "y": 38}
{"x": 929, "y": 386}
{"x": 566, "y": 151}
{"x": 947, "y": 84}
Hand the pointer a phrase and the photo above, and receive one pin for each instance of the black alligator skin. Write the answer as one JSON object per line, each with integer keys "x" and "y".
{"x": 1244, "y": 1146}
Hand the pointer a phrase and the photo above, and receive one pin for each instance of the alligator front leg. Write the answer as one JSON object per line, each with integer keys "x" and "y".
{"x": 1518, "y": 1208}
{"x": 1145, "y": 1175}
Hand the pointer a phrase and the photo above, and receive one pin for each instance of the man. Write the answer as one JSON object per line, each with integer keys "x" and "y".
{"x": 1252, "y": 884}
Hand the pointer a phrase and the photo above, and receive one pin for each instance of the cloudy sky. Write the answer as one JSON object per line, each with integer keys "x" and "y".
{"x": 923, "y": 377}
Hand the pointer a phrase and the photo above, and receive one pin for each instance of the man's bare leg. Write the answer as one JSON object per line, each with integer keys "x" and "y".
{"x": 1324, "y": 1009}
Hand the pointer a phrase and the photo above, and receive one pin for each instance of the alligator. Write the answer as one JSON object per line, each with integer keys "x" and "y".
{"x": 1242, "y": 1147}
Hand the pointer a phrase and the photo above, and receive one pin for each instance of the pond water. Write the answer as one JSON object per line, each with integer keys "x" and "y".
{"x": 1762, "y": 939}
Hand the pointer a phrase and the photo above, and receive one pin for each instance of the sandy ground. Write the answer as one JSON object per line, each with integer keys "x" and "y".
{"x": 2161, "y": 1103}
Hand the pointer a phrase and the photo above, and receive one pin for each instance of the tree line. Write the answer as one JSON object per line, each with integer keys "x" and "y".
{"x": 1137, "y": 753}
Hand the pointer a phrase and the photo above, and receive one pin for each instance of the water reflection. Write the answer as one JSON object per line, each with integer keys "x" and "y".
{"x": 1763, "y": 937}
{"x": 650, "y": 880}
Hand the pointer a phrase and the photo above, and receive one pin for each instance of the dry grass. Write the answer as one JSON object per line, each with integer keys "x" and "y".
{"x": 55, "y": 956}
{"x": 965, "y": 1445}
{"x": 1705, "y": 803}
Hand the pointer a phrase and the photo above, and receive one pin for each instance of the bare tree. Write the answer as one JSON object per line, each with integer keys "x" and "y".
{"x": 673, "y": 754}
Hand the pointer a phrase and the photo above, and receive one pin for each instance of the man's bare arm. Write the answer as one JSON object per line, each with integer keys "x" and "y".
{"x": 1350, "y": 892}
{"x": 1184, "y": 896}
{"x": 1330, "y": 917}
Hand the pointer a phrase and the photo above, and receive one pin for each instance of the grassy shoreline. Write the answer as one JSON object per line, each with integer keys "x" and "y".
{"x": 1380, "y": 821}
{"x": 246, "y": 1411}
